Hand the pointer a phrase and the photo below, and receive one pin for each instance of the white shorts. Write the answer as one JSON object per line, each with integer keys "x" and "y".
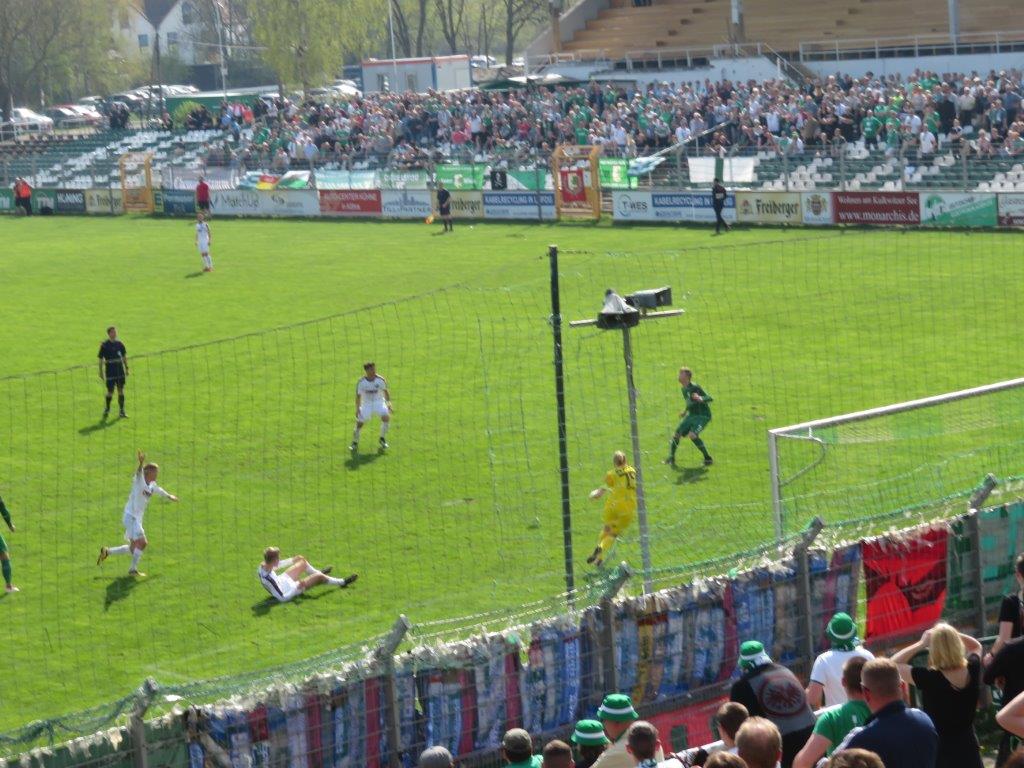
{"x": 289, "y": 587}
{"x": 132, "y": 527}
{"x": 204, "y": 246}
{"x": 366, "y": 410}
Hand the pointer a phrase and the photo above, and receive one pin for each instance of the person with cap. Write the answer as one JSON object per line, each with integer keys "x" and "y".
{"x": 435, "y": 757}
{"x": 517, "y": 749}
{"x": 826, "y": 685}
{"x": 617, "y": 714}
{"x": 590, "y": 741}
{"x": 771, "y": 691}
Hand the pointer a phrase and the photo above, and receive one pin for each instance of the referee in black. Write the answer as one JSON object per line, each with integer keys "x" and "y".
{"x": 444, "y": 207}
{"x": 113, "y": 358}
{"x": 718, "y": 203}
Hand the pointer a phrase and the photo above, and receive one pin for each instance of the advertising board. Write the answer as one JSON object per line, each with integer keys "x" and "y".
{"x": 350, "y": 202}
{"x": 519, "y": 205}
{"x": 885, "y": 208}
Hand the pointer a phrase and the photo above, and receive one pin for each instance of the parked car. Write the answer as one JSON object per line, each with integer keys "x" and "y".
{"x": 24, "y": 120}
{"x": 90, "y": 114}
{"x": 64, "y": 116}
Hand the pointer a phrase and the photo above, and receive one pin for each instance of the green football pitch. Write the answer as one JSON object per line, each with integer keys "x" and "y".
{"x": 242, "y": 388}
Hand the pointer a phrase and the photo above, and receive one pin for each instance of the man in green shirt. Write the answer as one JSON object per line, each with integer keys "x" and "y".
{"x": 869, "y": 127}
{"x": 835, "y": 723}
{"x": 5, "y": 560}
{"x": 694, "y": 419}
{"x": 517, "y": 750}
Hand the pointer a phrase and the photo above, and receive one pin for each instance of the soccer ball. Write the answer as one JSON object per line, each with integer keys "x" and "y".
{"x": 429, "y": 219}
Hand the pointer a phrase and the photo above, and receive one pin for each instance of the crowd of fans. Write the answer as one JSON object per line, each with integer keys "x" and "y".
{"x": 864, "y": 717}
{"x": 980, "y": 114}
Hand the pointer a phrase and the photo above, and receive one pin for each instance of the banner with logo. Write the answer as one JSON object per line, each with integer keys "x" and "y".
{"x": 392, "y": 179}
{"x": 885, "y": 208}
{"x": 461, "y": 176}
{"x": 519, "y": 205}
{"x": 350, "y": 202}
{"x": 181, "y": 202}
{"x": 70, "y": 201}
{"x": 945, "y": 209}
{"x": 614, "y": 173}
{"x": 279, "y": 202}
{"x": 817, "y": 207}
{"x": 1011, "y": 210}
{"x": 6, "y": 200}
{"x": 573, "y": 186}
{"x": 104, "y": 201}
{"x": 406, "y": 203}
{"x": 668, "y": 206}
{"x": 464, "y": 204}
{"x": 769, "y": 207}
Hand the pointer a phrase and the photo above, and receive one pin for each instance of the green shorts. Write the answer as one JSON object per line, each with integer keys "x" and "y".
{"x": 694, "y": 424}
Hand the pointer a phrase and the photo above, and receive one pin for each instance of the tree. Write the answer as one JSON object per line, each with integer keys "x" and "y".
{"x": 518, "y": 14}
{"x": 451, "y": 15}
{"x": 305, "y": 40}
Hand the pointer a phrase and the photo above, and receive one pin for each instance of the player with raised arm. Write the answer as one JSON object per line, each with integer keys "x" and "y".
{"x": 203, "y": 241}
{"x": 619, "y": 507}
{"x": 143, "y": 488}
{"x": 295, "y": 577}
{"x": 694, "y": 419}
{"x": 372, "y": 398}
{"x": 113, "y": 358}
{"x": 5, "y": 558}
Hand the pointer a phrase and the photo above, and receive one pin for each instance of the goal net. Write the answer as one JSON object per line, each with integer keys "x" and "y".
{"x": 915, "y": 458}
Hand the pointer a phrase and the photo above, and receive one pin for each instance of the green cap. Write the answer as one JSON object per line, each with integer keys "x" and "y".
{"x": 752, "y": 655}
{"x": 842, "y": 631}
{"x": 589, "y": 733}
{"x": 618, "y": 708}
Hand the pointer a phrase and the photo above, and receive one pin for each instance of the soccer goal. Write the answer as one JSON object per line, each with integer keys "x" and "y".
{"x": 920, "y": 456}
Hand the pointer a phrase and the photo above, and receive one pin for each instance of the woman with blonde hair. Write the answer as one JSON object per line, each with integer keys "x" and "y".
{"x": 949, "y": 689}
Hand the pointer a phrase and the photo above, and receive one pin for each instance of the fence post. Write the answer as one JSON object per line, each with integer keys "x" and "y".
{"x": 611, "y": 672}
{"x": 974, "y": 532}
{"x": 136, "y": 724}
{"x": 803, "y": 584}
{"x": 385, "y": 655}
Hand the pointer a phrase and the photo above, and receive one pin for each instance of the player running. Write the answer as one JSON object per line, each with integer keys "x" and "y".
{"x": 203, "y": 241}
{"x": 5, "y": 559}
{"x": 372, "y": 398}
{"x": 619, "y": 507}
{"x": 143, "y": 487}
{"x": 694, "y": 419}
{"x": 289, "y": 583}
{"x": 113, "y": 359}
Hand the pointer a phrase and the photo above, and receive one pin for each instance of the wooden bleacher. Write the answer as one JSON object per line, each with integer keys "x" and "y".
{"x": 782, "y": 24}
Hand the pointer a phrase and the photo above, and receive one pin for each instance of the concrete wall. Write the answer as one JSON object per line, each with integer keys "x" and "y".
{"x": 980, "y": 62}
{"x": 571, "y": 22}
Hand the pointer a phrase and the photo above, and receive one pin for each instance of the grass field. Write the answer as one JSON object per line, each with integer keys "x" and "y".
{"x": 242, "y": 388}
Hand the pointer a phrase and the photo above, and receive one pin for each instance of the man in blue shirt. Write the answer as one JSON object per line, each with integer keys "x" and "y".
{"x": 902, "y": 736}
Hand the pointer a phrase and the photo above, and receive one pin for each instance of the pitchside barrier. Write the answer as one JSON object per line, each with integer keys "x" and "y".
{"x": 674, "y": 651}
{"x": 978, "y": 210}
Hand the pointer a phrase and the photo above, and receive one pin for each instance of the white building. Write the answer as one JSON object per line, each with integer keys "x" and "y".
{"x": 178, "y": 22}
{"x": 439, "y": 73}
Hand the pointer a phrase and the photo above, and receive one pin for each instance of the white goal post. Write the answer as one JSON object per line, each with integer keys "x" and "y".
{"x": 806, "y": 431}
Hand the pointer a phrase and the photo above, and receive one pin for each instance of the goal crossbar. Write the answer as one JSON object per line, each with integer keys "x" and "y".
{"x": 804, "y": 429}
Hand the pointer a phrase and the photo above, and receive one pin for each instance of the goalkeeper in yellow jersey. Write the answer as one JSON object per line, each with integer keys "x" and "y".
{"x": 619, "y": 507}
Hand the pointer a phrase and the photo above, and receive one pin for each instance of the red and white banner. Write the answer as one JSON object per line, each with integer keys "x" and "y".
{"x": 886, "y": 208}
{"x": 573, "y": 185}
{"x": 350, "y": 202}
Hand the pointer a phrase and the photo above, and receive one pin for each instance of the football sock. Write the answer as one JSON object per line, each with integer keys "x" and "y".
{"x": 334, "y": 581}
{"x": 605, "y": 543}
{"x": 700, "y": 446}
{"x": 136, "y": 556}
{"x": 5, "y": 565}
{"x": 109, "y": 398}
{"x": 355, "y": 434}
{"x": 310, "y": 570}
{"x": 384, "y": 425}
{"x": 124, "y": 549}
{"x": 673, "y": 446}
{"x": 120, "y": 402}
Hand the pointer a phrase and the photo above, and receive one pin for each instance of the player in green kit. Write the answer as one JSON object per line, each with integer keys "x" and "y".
{"x": 5, "y": 560}
{"x": 695, "y": 417}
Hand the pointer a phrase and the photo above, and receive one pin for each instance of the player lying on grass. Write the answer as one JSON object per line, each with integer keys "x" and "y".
{"x": 694, "y": 419}
{"x": 619, "y": 507}
{"x": 289, "y": 582}
{"x": 143, "y": 487}
{"x": 5, "y": 559}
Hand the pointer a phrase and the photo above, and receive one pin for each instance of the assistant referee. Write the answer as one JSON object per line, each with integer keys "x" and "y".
{"x": 113, "y": 359}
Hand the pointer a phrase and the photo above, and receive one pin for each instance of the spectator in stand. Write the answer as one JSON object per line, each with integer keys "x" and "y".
{"x": 517, "y": 749}
{"x": 435, "y": 757}
{"x": 725, "y": 760}
{"x": 557, "y": 754}
{"x": 1011, "y": 610}
{"x": 1006, "y": 670}
{"x": 643, "y": 743}
{"x": 828, "y": 679}
{"x": 203, "y": 196}
{"x": 926, "y": 143}
{"x": 771, "y": 690}
{"x": 759, "y": 743}
{"x": 902, "y": 736}
{"x": 590, "y": 741}
{"x": 22, "y": 196}
{"x": 855, "y": 758}
{"x": 729, "y": 717}
{"x": 834, "y": 723}
{"x": 617, "y": 714}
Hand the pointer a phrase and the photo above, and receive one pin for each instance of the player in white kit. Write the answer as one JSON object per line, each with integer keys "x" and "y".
{"x": 143, "y": 488}
{"x": 372, "y": 399}
{"x": 289, "y": 582}
{"x": 203, "y": 240}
